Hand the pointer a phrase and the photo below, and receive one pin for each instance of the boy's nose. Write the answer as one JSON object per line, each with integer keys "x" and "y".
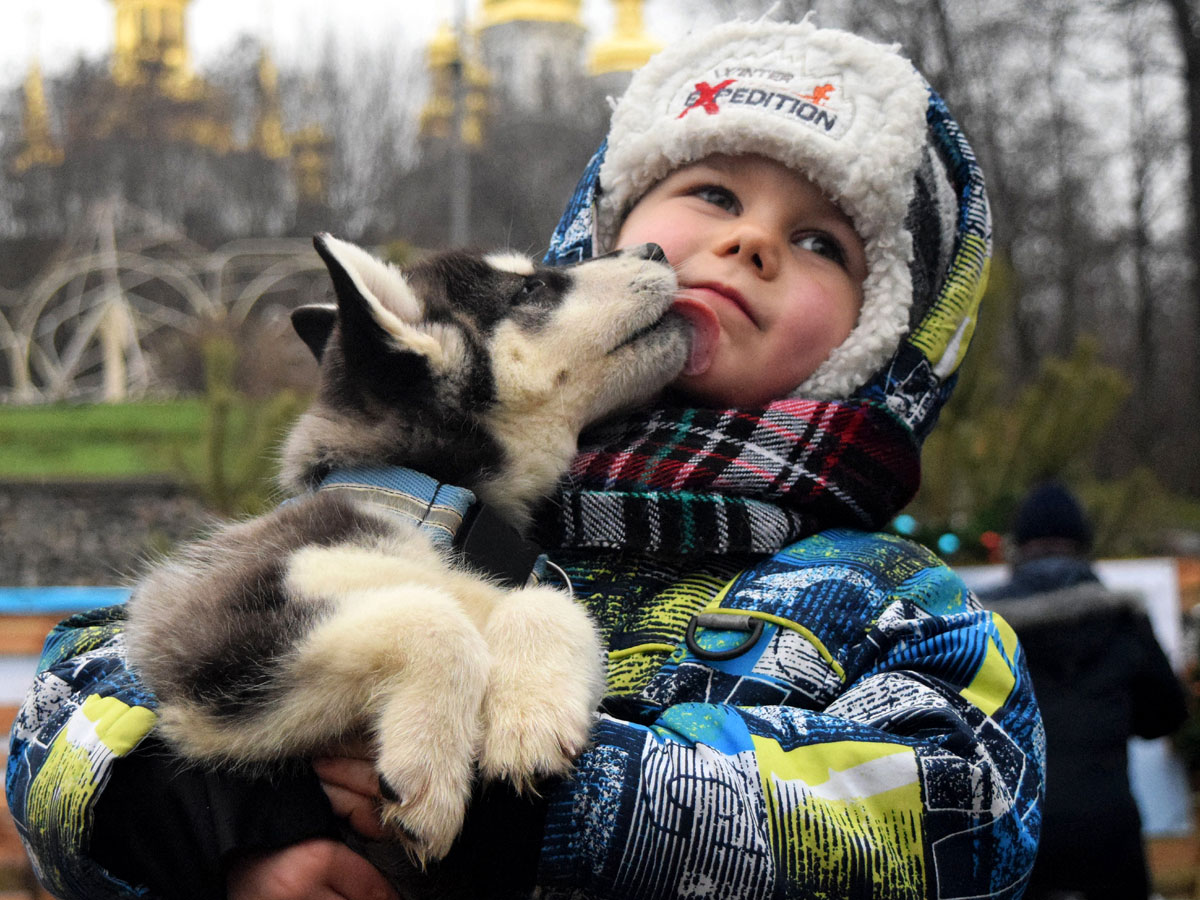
{"x": 755, "y": 246}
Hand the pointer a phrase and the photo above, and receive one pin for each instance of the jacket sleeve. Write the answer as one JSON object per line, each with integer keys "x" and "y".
{"x": 105, "y": 811}
{"x": 83, "y": 712}
{"x": 1159, "y": 703}
{"x": 880, "y": 731}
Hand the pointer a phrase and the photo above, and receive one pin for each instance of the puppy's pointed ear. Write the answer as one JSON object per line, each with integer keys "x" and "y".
{"x": 375, "y": 304}
{"x": 314, "y": 324}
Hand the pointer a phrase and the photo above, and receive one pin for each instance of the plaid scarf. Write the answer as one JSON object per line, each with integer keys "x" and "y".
{"x": 688, "y": 481}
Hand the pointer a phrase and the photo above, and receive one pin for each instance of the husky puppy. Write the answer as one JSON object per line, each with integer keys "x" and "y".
{"x": 330, "y": 618}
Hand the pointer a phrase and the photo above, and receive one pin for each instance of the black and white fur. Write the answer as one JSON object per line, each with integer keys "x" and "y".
{"x": 327, "y": 619}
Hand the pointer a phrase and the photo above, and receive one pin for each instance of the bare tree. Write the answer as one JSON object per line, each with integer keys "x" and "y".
{"x": 1142, "y": 162}
{"x": 368, "y": 102}
{"x": 1186, "y": 18}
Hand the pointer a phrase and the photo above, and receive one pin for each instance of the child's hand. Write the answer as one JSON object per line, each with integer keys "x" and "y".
{"x": 352, "y": 785}
{"x": 319, "y": 869}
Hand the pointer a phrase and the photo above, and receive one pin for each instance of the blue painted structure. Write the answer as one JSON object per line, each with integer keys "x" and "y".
{"x": 39, "y": 601}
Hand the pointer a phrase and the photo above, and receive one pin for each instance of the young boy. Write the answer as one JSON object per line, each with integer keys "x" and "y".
{"x": 799, "y": 706}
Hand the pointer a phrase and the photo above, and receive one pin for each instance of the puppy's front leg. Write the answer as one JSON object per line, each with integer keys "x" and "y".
{"x": 427, "y": 667}
{"x": 546, "y": 680}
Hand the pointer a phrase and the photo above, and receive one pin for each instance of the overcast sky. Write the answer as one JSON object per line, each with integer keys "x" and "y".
{"x": 61, "y": 30}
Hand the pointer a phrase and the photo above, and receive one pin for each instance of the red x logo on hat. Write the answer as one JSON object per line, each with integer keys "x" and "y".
{"x": 708, "y": 97}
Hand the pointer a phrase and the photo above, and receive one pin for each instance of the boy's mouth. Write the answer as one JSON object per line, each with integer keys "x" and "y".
{"x": 725, "y": 293}
{"x": 705, "y": 332}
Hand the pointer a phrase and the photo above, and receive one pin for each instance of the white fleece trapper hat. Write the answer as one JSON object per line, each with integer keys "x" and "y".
{"x": 848, "y": 113}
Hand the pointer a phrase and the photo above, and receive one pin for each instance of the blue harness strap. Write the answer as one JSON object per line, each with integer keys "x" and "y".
{"x": 452, "y": 517}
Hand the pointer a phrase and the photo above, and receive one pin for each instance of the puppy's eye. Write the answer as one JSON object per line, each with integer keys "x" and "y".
{"x": 528, "y": 289}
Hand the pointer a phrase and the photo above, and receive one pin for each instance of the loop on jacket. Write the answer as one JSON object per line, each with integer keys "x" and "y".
{"x": 722, "y": 621}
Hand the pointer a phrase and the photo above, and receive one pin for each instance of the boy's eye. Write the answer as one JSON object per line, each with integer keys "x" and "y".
{"x": 823, "y": 245}
{"x": 717, "y": 196}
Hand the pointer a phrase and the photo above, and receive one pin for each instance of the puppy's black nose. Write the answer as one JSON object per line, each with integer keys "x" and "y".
{"x": 651, "y": 252}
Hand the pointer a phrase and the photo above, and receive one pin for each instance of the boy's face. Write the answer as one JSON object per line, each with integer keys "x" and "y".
{"x": 770, "y": 274}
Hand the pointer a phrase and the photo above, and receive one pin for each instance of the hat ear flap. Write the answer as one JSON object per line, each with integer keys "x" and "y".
{"x": 931, "y": 221}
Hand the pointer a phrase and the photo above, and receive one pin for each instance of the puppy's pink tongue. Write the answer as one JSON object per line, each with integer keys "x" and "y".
{"x": 705, "y": 331}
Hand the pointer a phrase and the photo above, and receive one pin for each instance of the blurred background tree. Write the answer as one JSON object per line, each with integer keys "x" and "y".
{"x": 232, "y": 468}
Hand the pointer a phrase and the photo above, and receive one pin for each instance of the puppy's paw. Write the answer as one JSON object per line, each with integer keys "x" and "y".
{"x": 546, "y": 679}
{"x": 529, "y": 737}
{"x": 426, "y": 771}
{"x": 427, "y": 814}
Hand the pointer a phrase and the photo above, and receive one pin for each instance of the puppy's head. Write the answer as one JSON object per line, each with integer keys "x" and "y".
{"x": 586, "y": 340}
{"x": 479, "y": 368}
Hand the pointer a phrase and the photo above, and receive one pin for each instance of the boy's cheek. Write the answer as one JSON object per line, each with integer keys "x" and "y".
{"x": 648, "y": 229}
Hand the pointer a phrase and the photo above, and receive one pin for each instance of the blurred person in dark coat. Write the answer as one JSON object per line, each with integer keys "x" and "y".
{"x": 1100, "y": 676}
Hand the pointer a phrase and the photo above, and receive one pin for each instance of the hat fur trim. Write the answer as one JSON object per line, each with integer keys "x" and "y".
{"x": 847, "y": 113}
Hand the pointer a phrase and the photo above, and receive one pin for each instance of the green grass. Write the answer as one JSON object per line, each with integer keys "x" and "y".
{"x": 128, "y": 440}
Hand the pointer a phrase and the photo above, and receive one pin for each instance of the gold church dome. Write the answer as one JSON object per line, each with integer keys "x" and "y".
{"x": 443, "y": 47}
{"x": 152, "y": 44}
{"x": 629, "y": 47}
{"x": 498, "y": 12}
{"x": 442, "y": 53}
{"x": 38, "y": 147}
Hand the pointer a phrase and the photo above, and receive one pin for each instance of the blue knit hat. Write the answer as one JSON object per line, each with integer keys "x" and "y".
{"x": 1050, "y": 511}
